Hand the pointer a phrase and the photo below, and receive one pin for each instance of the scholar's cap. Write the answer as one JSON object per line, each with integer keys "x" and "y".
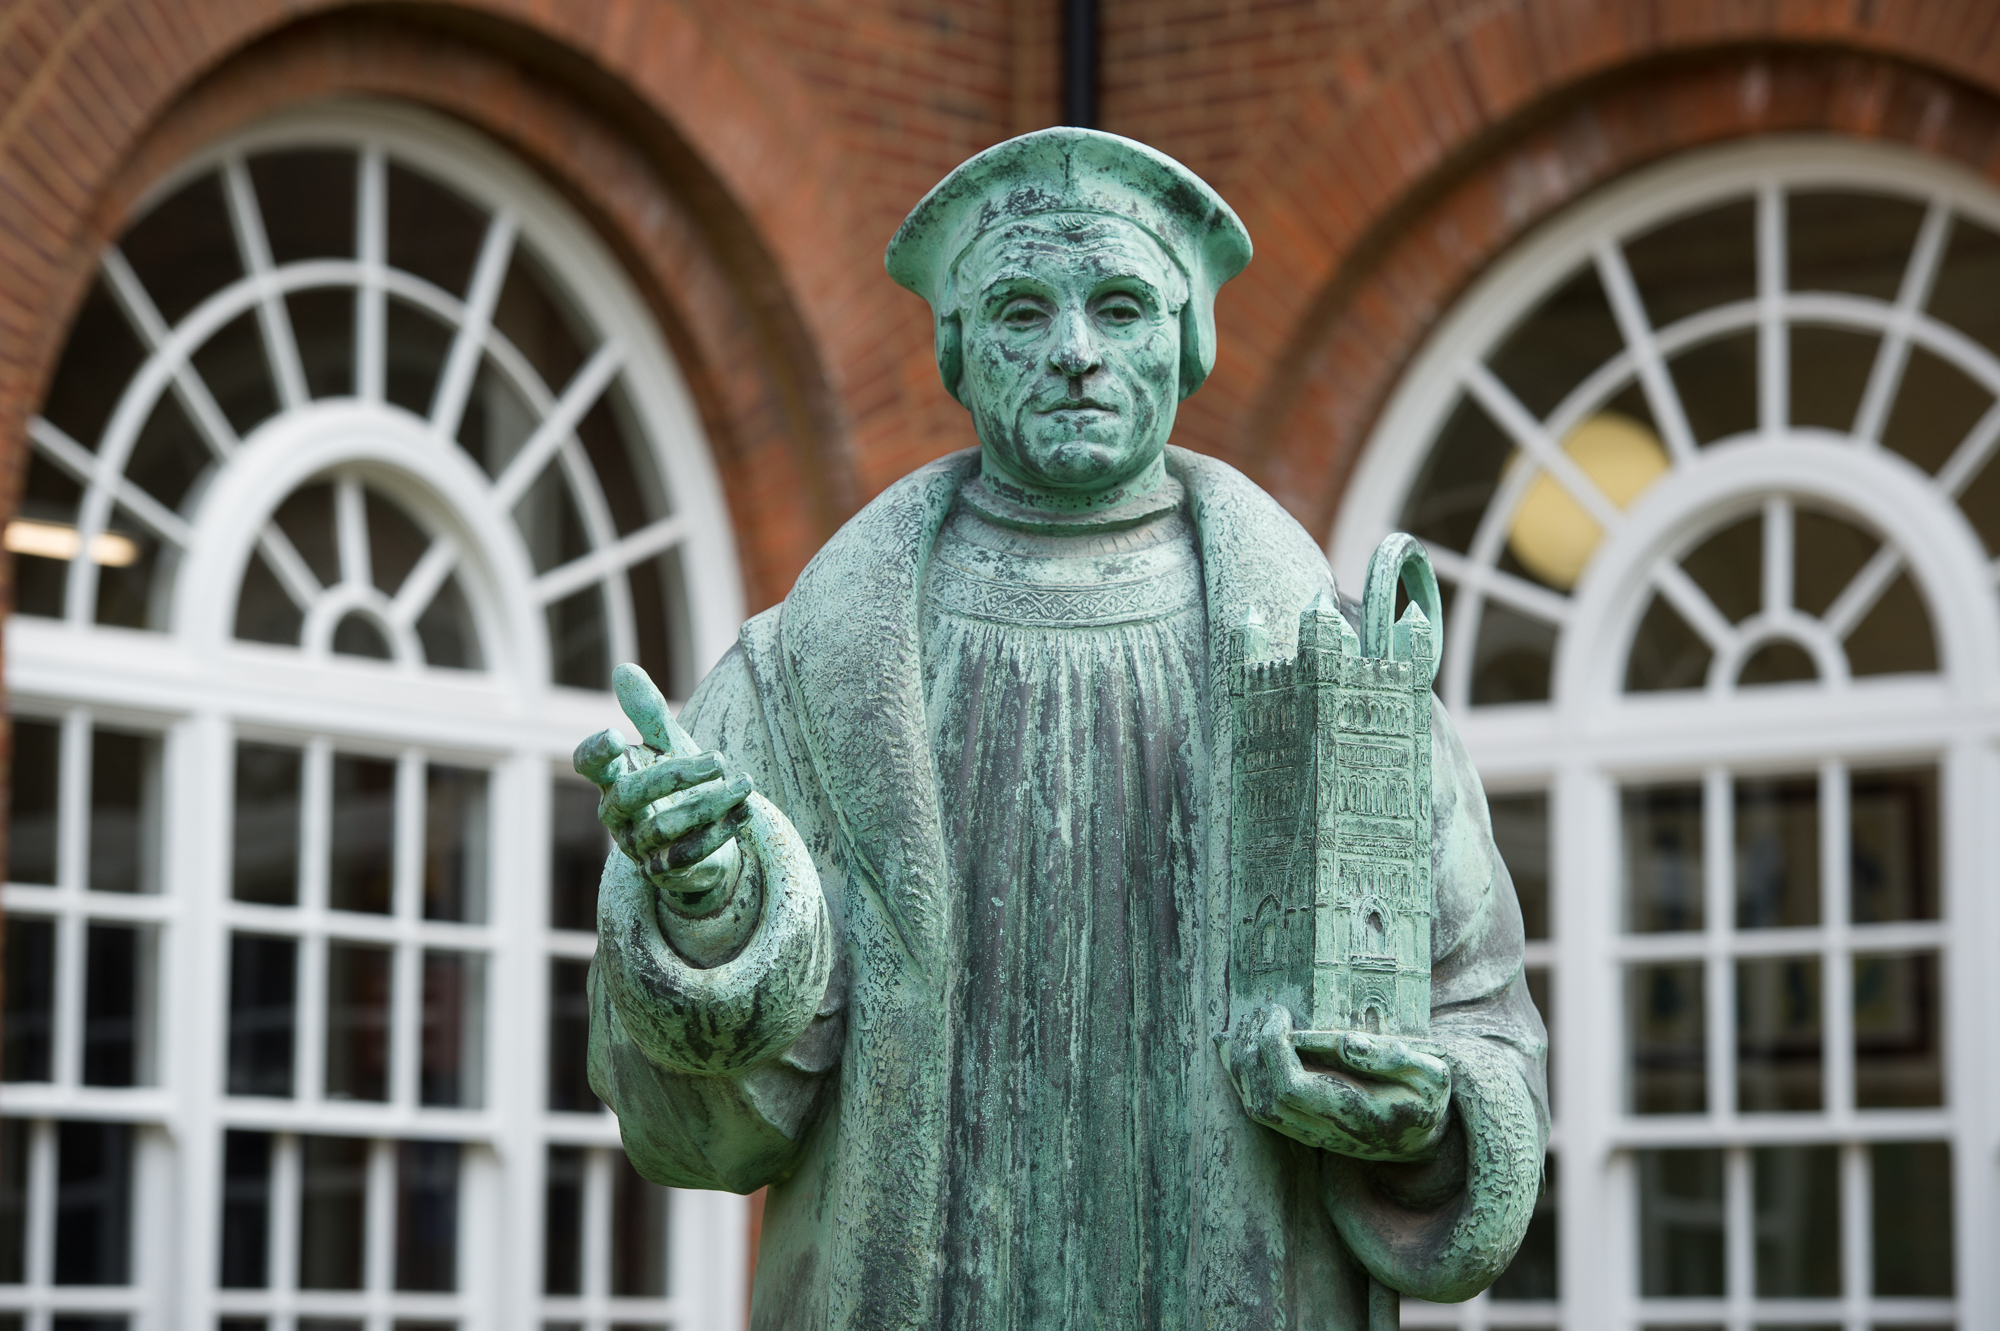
{"x": 1070, "y": 170}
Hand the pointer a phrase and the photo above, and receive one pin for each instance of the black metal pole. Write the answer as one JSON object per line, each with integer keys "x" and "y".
{"x": 1080, "y": 63}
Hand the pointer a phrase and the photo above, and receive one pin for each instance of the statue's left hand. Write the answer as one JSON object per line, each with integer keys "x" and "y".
{"x": 1372, "y": 1097}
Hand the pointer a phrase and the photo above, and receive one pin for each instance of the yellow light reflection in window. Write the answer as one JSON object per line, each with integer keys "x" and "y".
{"x": 1551, "y": 534}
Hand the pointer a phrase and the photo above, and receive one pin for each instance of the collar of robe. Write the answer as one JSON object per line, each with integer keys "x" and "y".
{"x": 991, "y": 499}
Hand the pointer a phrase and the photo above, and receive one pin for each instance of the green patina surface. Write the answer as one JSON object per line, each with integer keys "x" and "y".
{"x": 1071, "y": 909}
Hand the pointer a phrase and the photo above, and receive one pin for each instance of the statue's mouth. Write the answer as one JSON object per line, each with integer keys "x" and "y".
{"x": 1077, "y": 404}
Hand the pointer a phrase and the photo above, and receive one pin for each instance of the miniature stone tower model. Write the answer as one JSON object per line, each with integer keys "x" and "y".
{"x": 1331, "y": 887}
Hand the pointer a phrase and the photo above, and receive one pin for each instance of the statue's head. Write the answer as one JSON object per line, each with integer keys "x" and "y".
{"x": 1072, "y": 274}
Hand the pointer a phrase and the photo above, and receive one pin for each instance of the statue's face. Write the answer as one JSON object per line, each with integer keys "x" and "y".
{"x": 1072, "y": 347}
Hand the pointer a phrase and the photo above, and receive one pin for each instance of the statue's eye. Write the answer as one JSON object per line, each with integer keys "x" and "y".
{"x": 1024, "y": 315}
{"x": 1120, "y": 310}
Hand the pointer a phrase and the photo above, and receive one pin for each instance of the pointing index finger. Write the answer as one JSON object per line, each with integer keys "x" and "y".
{"x": 647, "y": 708}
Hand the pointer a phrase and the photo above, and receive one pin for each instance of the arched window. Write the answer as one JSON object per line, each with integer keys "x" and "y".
{"x": 361, "y": 468}
{"x": 1707, "y": 469}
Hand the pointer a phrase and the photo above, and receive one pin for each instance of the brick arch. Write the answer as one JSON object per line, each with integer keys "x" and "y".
{"x": 697, "y": 177}
{"x": 1304, "y": 427}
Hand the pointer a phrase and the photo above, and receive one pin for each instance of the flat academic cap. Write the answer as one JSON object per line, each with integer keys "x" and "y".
{"x": 1069, "y": 170}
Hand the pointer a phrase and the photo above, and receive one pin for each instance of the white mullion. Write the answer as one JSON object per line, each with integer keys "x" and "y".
{"x": 372, "y": 238}
{"x": 1893, "y": 356}
{"x": 1865, "y": 588}
{"x": 406, "y": 991}
{"x": 73, "y": 879}
{"x": 1856, "y": 1242}
{"x": 567, "y": 579}
{"x": 448, "y": 402}
{"x": 379, "y": 1234}
{"x": 189, "y": 387}
{"x": 597, "y": 1237}
{"x": 1686, "y": 596}
{"x": 315, "y": 848}
{"x": 582, "y": 392}
{"x": 287, "y": 1197}
{"x": 1778, "y": 589}
{"x": 350, "y": 515}
{"x": 1719, "y": 973}
{"x": 1661, "y": 394}
{"x": 254, "y": 247}
{"x": 1515, "y": 592}
{"x": 82, "y": 465}
{"x": 421, "y": 586}
{"x": 1837, "y": 983}
{"x": 301, "y": 584}
{"x": 1739, "y": 1236}
{"x": 1527, "y": 433}
{"x": 41, "y": 1214}
{"x": 1774, "y": 385}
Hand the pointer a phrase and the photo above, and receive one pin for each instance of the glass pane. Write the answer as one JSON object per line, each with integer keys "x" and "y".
{"x": 1513, "y": 657}
{"x": 1857, "y": 243}
{"x": 31, "y": 815}
{"x": 333, "y": 1211}
{"x": 1697, "y": 262}
{"x": 130, "y": 592}
{"x": 1911, "y": 1184}
{"x": 1777, "y": 852}
{"x": 1895, "y": 637}
{"x": 550, "y": 522}
{"x": 246, "y": 1210}
{"x": 1532, "y": 1273}
{"x": 434, "y": 232}
{"x": 577, "y": 847}
{"x": 183, "y": 249}
{"x": 118, "y": 1005}
{"x": 1898, "y": 1043}
{"x": 1666, "y": 1027}
{"x": 266, "y": 859}
{"x": 306, "y": 196}
{"x": 395, "y": 541}
{"x": 562, "y": 1221}
{"x": 447, "y": 630}
{"x": 98, "y": 360}
{"x": 427, "y": 1215}
{"x": 638, "y": 1233}
{"x": 323, "y": 327}
{"x": 660, "y": 622}
{"x": 1893, "y": 845}
{"x": 357, "y": 1021}
{"x": 616, "y": 444}
{"x": 1663, "y": 858}
{"x": 569, "y": 1037}
{"x": 417, "y": 344}
{"x": 542, "y": 324}
{"x": 306, "y": 518}
{"x": 169, "y": 454}
{"x": 264, "y": 611}
{"x": 578, "y": 650}
{"x": 1777, "y": 662}
{"x": 124, "y": 811}
{"x": 455, "y": 840}
{"x": 1937, "y": 405}
{"x": 13, "y": 1200}
{"x": 1798, "y": 1221}
{"x": 497, "y": 419}
{"x": 1829, "y": 552}
{"x": 1778, "y": 1035}
{"x": 263, "y": 1014}
{"x": 1717, "y": 382}
{"x": 93, "y": 1204}
{"x": 1680, "y": 1224}
{"x": 1521, "y": 832}
{"x": 49, "y": 500}
{"x": 359, "y": 635}
{"x": 1729, "y": 566}
{"x": 454, "y": 1028}
{"x": 1458, "y": 478}
{"x": 89, "y": 1322}
{"x": 1962, "y": 295}
{"x": 233, "y": 365}
{"x": 1548, "y": 353}
{"x": 1666, "y": 653}
{"x": 364, "y": 834}
{"x": 27, "y": 1033}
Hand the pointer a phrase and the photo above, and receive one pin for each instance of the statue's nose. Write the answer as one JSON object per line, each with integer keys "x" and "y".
{"x": 1075, "y": 353}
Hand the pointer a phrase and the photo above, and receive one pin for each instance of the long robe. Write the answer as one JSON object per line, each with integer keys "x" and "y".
{"x": 852, "y": 1103}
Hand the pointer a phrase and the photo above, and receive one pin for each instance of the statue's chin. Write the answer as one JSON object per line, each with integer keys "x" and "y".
{"x": 1079, "y": 466}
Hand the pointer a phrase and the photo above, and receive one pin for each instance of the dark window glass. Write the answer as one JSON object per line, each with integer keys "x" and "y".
{"x": 102, "y": 349}
{"x": 1666, "y": 1024}
{"x": 1778, "y": 662}
{"x": 1729, "y": 566}
{"x": 246, "y": 1210}
{"x": 1521, "y": 831}
{"x": 49, "y": 495}
{"x": 89, "y": 1322}
{"x": 36, "y": 777}
{"x": 128, "y": 595}
{"x": 434, "y": 232}
{"x": 638, "y": 1233}
{"x": 1937, "y": 404}
{"x": 1513, "y": 657}
{"x": 395, "y": 541}
{"x": 323, "y": 328}
{"x": 1777, "y": 852}
{"x": 453, "y": 1028}
{"x": 550, "y": 521}
{"x": 1830, "y": 368}
{"x": 1532, "y": 1273}
{"x": 306, "y": 518}
{"x": 417, "y": 344}
{"x": 1898, "y": 1040}
{"x": 660, "y": 619}
{"x": 1697, "y": 262}
{"x": 540, "y": 321}
{"x": 360, "y": 635}
{"x": 124, "y": 811}
{"x": 1680, "y": 1224}
{"x": 233, "y": 365}
{"x": 611, "y": 436}
{"x": 117, "y": 1002}
{"x": 364, "y": 834}
{"x": 455, "y": 842}
{"x": 28, "y": 1029}
{"x": 333, "y": 1211}
{"x": 1893, "y": 845}
{"x": 569, "y": 1037}
{"x": 1663, "y": 858}
{"x": 1911, "y": 1184}
{"x": 1828, "y": 552}
{"x": 266, "y": 860}
{"x": 1856, "y": 243}
{"x": 578, "y": 646}
{"x": 263, "y": 1014}
{"x": 578, "y": 844}
{"x": 1548, "y": 353}
{"x": 357, "y": 1021}
{"x": 307, "y": 198}
{"x": 1778, "y": 1034}
{"x": 247, "y": 1323}
{"x": 1962, "y": 294}
{"x": 330, "y": 1324}
{"x": 184, "y": 249}
{"x": 496, "y": 420}
{"x": 93, "y": 1204}
{"x": 14, "y": 1137}
{"x": 427, "y": 1215}
{"x": 562, "y": 1221}
{"x": 447, "y": 630}
{"x": 265, "y": 611}
{"x": 1458, "y": 478}
{"x": 169, "y": 453}
{"x": 1797, "y": 1200}
{"x": 1894, "y": 638}
{"x": 1717, "y": 382}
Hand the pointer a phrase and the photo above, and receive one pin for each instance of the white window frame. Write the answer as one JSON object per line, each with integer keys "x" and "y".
{"x": 1591, "y": 737}
{"x": 202, "y": 691}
